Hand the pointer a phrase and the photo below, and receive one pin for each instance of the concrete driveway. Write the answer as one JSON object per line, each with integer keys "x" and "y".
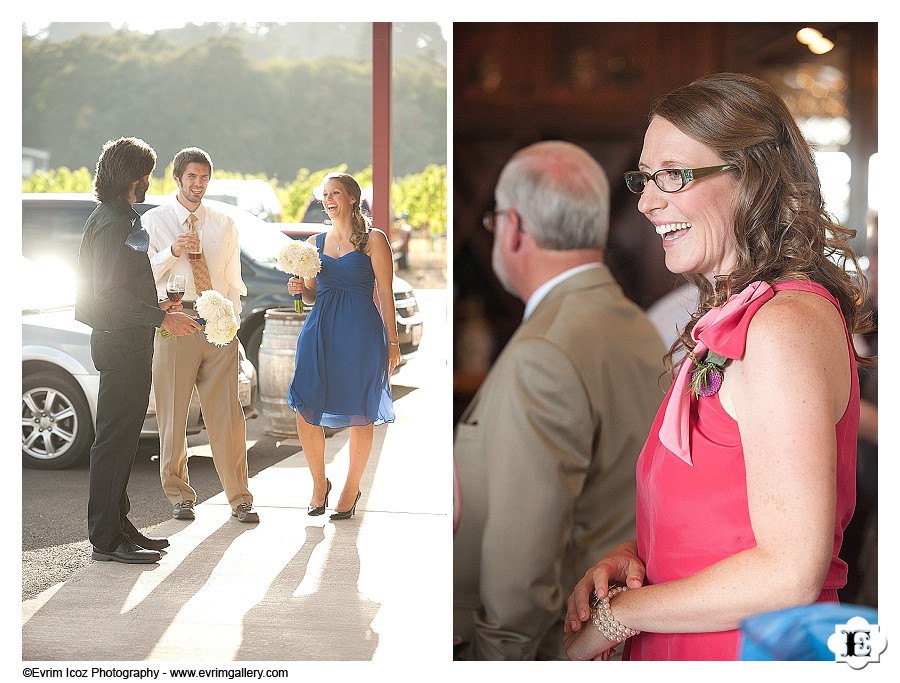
{"x": 294, "y": 588}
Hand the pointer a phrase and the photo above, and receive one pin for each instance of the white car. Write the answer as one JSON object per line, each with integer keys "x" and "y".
{"x": 60, "y": 383}
{"x": 253, "y": 195}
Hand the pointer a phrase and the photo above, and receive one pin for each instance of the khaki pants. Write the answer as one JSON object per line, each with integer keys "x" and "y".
{"x": 179, "y": 363}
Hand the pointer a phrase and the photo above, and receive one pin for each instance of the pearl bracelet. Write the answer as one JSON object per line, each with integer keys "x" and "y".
{"x": 601, "y": 615}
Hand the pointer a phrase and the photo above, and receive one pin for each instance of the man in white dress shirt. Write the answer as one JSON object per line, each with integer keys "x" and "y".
{"x": 180, "y": 363}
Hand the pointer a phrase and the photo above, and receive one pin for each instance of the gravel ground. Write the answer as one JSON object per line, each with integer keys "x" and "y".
{"x": 45, "y": 567}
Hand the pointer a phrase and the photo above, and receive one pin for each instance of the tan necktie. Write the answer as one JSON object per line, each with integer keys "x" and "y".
{"x": 201, "y": 270}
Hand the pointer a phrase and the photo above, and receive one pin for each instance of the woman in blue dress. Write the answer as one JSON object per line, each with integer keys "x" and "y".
{"x": 348, "y": 345}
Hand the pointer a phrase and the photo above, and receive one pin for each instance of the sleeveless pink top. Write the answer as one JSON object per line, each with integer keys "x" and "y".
{"x": 692, "y": 506}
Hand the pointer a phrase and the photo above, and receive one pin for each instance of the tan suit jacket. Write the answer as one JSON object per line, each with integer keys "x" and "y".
{"x": 546, "y": 455}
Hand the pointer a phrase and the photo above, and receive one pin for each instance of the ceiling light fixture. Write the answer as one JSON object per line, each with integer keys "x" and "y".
{"x": 814, "y": 40}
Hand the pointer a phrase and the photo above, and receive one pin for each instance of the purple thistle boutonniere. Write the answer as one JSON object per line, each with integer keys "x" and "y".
{"x": 706, "y": 378}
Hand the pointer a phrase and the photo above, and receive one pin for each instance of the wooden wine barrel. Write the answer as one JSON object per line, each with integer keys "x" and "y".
{"x": 276, "y": 368}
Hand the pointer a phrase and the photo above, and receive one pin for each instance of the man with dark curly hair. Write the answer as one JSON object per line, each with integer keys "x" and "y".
{"x": 116, "y": 297}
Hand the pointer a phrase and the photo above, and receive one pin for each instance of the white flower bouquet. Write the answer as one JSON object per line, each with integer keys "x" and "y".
{"x": 217, "y": 316}
{"x": 300, "y": 259}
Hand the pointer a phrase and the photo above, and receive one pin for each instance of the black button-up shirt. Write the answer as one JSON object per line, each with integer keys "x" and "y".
{"x": 115, "y": 287}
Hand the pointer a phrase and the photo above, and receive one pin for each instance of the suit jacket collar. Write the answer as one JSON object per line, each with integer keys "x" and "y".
{"x": 596, "y": 276}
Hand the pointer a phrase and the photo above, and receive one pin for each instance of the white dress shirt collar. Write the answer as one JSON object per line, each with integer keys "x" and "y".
{"x": 182, "y": 212}
{"x": 545, "y": 288}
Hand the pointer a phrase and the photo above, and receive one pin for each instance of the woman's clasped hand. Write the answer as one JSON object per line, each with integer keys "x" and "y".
{"x": 582, "y": 640}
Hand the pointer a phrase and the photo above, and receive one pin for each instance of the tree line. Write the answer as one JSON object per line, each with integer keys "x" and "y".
{"x": 256, "y": 115}
{"x": 420, "y": 197}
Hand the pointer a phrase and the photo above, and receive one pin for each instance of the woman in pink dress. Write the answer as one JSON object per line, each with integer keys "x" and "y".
{"x": 747, "y": 479}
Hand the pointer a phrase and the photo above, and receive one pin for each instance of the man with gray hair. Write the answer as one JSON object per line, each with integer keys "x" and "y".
{"x": 545, "y": 453}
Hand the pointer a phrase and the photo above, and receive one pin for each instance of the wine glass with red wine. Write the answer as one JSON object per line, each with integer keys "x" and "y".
{"x": 175, "y": 287}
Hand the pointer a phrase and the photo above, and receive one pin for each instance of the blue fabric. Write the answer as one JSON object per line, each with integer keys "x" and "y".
{"x": 799, "y": 633}
{"x": 341, "y": 366}
{"x": 139, "y": 239}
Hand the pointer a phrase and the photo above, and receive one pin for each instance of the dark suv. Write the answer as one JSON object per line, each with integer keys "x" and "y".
{"x": 52, "y": 225}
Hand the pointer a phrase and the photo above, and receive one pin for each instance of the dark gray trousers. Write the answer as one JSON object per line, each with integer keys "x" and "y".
{"x": 124, "y": 359}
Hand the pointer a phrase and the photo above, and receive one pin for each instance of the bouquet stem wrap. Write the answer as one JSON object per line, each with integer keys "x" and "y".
{"x": 300, "y": 259}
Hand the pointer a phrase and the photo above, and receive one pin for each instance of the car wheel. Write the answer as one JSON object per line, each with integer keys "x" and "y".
{"x": 57, "y": 429}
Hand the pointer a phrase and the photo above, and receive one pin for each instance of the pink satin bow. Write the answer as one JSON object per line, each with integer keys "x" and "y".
{"x": 722, "y": 330}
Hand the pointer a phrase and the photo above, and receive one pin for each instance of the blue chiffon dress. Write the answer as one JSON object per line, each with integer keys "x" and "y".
{"x": 341, "y": 366}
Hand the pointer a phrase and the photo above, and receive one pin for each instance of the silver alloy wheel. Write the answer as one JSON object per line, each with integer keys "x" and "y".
{"x": 49, "y": 423}
{"x": 56, "y": 425}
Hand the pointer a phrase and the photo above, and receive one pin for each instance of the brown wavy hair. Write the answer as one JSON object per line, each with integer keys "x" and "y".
{"x": 121, "y": 162}
{"x": 781, "y": 227}
{"x": 361, "y": 222}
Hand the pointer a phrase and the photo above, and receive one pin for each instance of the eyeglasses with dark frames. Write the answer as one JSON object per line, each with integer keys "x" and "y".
{"x": 489, "y": 219}
{"x": 671, "y": 179}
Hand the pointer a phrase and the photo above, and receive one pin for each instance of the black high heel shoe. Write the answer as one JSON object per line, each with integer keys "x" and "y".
{"x": 349, "y": 513}
{"x": 320, "y": 509}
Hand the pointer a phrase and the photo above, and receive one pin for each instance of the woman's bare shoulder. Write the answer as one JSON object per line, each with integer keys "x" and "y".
{"x": 793, "y": 311}
{"x": 796, "y": 354}
{"x": 376, "y": 240}
{"x": 378, "y": 234}
{"x": 796, "y": 327}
